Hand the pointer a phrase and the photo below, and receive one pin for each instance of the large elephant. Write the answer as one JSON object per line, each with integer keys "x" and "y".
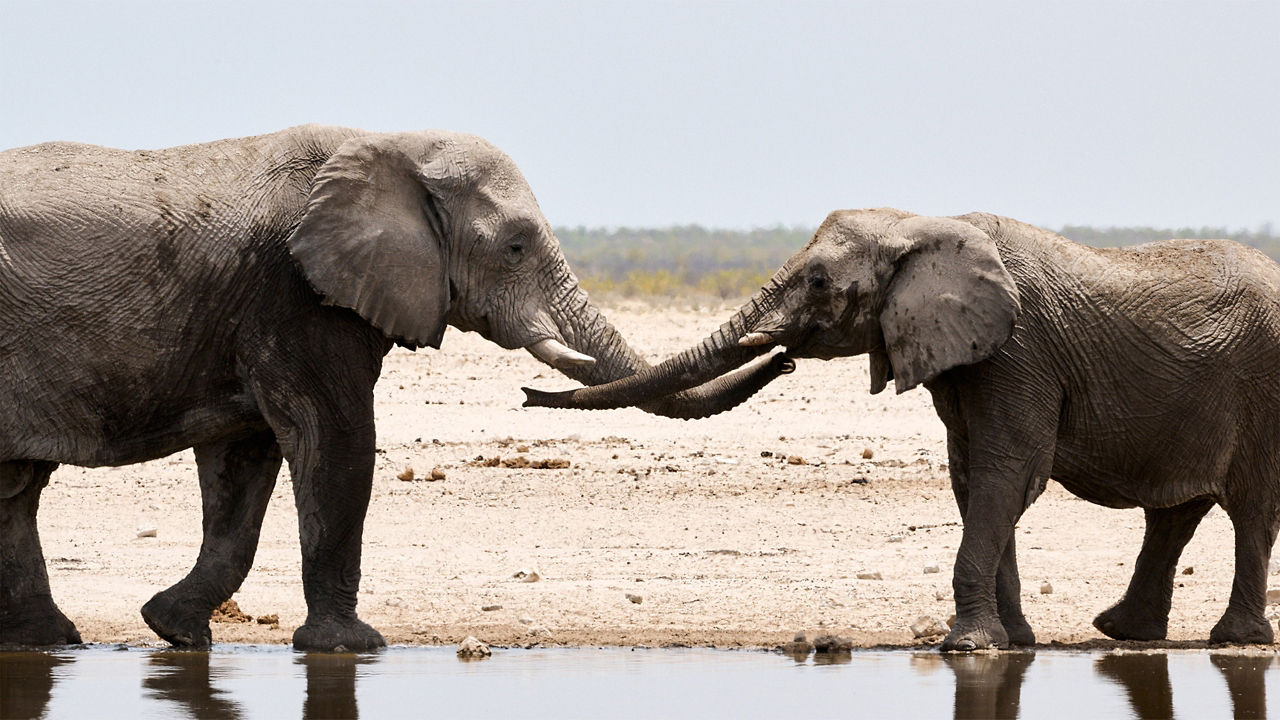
{"x": 1146, "y": 376}
{"x": 237, "y": 297}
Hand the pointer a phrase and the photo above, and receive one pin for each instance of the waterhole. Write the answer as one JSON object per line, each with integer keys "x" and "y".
{"x": 235, "y": 682}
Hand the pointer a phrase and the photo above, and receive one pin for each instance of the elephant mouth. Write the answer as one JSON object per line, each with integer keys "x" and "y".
{"x": 794, "y": 343}
{"x": 558, "y": 355}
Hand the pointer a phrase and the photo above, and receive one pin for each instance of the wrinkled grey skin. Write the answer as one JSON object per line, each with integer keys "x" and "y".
{"x": 1140, "y": 377}
{"x": 237, "y": 297}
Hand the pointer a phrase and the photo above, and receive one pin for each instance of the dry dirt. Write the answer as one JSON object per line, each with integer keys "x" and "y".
{"x": 722, "y": 544}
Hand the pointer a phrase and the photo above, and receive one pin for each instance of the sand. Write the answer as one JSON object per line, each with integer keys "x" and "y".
{"x": 721, "y": 543}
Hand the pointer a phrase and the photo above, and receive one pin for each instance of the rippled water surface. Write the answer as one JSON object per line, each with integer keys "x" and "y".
{"x": 258, "y": 682}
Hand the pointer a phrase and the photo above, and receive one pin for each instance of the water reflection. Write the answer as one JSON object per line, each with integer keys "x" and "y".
{"x": 1144, "y": 678}
{"x": 988, "y": 685}
{"x": 183, "y": 676}
{"x": 1246, "y": 683}
{"x": 231, "y": 684}
{"x": 26, "y": 681}
{"x": 331, "y": 684}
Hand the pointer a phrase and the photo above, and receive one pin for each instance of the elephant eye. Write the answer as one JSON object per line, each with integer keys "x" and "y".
{"x": 817, "y": 283}
{"x": 515, "y": 251}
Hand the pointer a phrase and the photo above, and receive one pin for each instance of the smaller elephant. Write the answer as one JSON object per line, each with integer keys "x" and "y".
{"x": 1137, "y": 377}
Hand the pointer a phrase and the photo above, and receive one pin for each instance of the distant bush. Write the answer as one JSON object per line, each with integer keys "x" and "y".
{"x": 687, "y": 260}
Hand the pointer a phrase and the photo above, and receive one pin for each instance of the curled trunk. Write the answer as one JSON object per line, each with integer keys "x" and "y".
{"x": 589, "y": 332}
{"x": 695, "y": 372}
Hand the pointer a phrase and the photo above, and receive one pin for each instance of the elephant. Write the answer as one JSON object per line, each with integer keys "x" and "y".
{"x": 237, "y": 297}
{"x": 1145, "y": 377}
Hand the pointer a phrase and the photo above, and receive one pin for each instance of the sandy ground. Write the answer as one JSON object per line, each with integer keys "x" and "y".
{"x": 723, "y": 545}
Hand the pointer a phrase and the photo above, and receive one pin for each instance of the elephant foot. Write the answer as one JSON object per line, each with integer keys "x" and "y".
{"x": 1019, "y": 632}
{"x": 1239, "y": 629}
{"x": 176, "y": 622}
{"x": 1123, "y": 622}
{"x": 36, "y": 621}
{"x": 984, "y": 634}
{"x": 346, "y": 635}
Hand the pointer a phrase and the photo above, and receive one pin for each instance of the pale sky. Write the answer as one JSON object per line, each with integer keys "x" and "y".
{"x": 727, "y": 114}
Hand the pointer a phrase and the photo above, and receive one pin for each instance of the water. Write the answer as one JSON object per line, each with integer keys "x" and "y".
{"x": 273, "y": 682}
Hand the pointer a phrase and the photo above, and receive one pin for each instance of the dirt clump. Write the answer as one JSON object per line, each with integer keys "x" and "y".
{"x": 229, "y": 612}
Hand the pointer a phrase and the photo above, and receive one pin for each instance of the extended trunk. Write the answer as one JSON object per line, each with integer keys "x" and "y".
{"x": 687, "y": 373}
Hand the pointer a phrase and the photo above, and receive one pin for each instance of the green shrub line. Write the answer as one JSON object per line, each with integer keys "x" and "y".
{"x": 685, "y": 260}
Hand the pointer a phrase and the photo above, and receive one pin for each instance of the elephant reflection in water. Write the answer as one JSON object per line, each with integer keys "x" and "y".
{"x": 1145, "y": 679}
{"x": 26, "y": 683}
{"x": 331, "y": 685}
{"x": 185, "y": 677}
{"x": 988, "y": 686}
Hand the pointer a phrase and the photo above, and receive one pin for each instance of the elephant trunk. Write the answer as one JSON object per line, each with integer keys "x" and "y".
{"x": 588, "y": 332}
{"x": 692, "y": 370}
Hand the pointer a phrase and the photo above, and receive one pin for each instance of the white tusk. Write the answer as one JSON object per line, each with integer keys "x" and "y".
{"x": 755, "y": 338}
{"x": 558, "y": 356}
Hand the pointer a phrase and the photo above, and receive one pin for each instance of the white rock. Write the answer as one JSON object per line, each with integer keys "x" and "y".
{"x": 538, "y": 631}
{"x": 637, "y": 599}
{"x": 869, "y": 576}
{"x": 930, "y": 568}
{"x": 526, "y": 620}
{"x": 942, "y": 595}
{"x": 895, "y": 538}
{"x": 1273, "y": 595}
{"x": 473, "y": 649}
{"x": 1046, "y": 588}
{"x": 926, "y": 626}
{"x": 529, "y": 575}
{"x": 147, "y": 531}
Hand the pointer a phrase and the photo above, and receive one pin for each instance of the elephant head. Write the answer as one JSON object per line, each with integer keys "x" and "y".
{"x": 415, "y": 231}
{"x": 920, "y": 294}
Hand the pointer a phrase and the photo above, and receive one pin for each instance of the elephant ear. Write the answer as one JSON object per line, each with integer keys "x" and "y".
{"x": 950, "y": 302}
{"x": 372, "y": 240}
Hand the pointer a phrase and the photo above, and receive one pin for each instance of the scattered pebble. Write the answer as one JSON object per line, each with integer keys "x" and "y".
{"x": 522, "y": 448}
{"x": 529, "y": 575}
{"x": 869, "y": 576}
{"x": 1188, "y": 570}
{"x": 473, "y": 649}
{"x": 766, "y": 453}
{"x": 526, "y": 620}
{"x": 867, "y": 454}
{"x": 832, "y": 644}
{"x": 538, "y": 631}
{"x": 406, "y": 476}
{"x": 926, "y": 627}
{"x": 942, "y": 595}
{"x": 931, "y": 568}
{"x": 147, "y": 531}
{"x": 796, "y": 460}
{"x": 520, "y": 462}
{"x": 895, "y": 538}
{"x": 1046, "y": 588}
{"x": 490, "y": 608}
{"x": 437, "y": 474}
{"x": 634, "y": 598}
{"x": 1273, "y": 595}
{"x": 272, "y": 619}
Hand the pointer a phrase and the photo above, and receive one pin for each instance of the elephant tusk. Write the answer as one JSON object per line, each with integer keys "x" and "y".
{"x": 754, "y": 339}
{"x": 555, "y": 354}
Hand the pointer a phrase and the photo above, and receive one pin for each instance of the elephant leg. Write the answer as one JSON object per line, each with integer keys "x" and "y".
{"x": 1245, "y": 620}
{"x": 28, "y": 615}
{"x": 1008, "y": 583}
{"x": 1143, "y": 612}
{"x": 323, "y": 415}
{"x": 236, "y": 480}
